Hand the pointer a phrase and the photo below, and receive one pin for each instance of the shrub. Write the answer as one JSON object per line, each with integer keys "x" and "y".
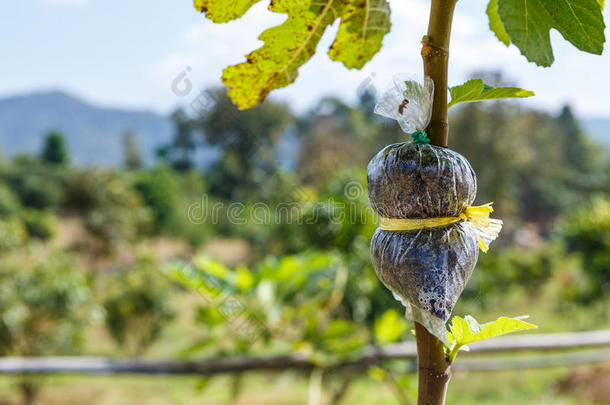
{"x": 55, "y": 150}
{"x": 587, "y": 233}
{"x": 159, "y": 190}
{"x": 45, "y": 303}
{"x": 113, "y": 211}
{"x": 12, "y": 233}
{"x": 137, "y": 306}
{"x": 39, "y": 224}
{"x": 9, "y": 203}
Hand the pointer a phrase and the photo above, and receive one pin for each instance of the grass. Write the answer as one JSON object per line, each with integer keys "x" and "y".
{"x": 498, "y": 388}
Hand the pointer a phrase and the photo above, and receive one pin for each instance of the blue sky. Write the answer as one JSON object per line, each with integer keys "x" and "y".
{"x": 128, "y": 53}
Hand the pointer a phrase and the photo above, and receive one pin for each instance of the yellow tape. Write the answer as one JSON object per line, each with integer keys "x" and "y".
{"x": 487, "y": 229}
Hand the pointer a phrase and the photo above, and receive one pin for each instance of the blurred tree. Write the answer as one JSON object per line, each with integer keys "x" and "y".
{"x": 9, "y": 203}
{"x": 246, "y": 140}
{"x": 39, "y": 224}
{"x": 131, "y": 151}
{"x": 113, "y": 211}
{"x": 159, "y": 190}
{"x": 55, "y": 150}
{"x": 180, "y": 152}
{"x": 45, "y": 302}
{"x": 137, "y": 306}
{"x": 530, "y": 180}
{"x": 335, "y": 135}
{"x": 587, "y": 233}
{"x": 37, "y": 185}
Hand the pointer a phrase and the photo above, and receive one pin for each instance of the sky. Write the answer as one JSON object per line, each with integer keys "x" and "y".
{"x": 159, "y": 54}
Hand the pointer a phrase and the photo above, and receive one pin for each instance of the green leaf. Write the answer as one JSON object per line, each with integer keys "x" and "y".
{"x": 361, "y": 32}
{"x": 528, "y": 23}
{"x": 224, "y": 11}
{"x": 476, "y": 90}
{"x": 495, "y": 23}
{"x": 390, "y": 327}
{"x": 288, "y": 46}
{"x": 468, "y": 330}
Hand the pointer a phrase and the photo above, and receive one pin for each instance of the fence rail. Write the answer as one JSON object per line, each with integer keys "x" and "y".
{"x": 593, "y": 343}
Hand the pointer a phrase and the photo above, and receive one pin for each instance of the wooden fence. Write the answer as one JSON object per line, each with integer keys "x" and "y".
{"x": 510, "y": 352}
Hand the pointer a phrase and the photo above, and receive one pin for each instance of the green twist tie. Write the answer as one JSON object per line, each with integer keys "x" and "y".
{"x": 420, "y": 138}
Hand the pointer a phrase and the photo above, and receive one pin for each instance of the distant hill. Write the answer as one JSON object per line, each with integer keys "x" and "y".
{"x": 599, "y": 129}
{"x": 94, "y": 134}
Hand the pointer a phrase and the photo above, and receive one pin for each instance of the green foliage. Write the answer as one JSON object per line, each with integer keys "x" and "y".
{"x": 39, "y": 224}
{"x": 159, "y": 190}
{"x": 390, "y": 327}
{"x": 468, "y": 330}
{"x": 55, "y": 151}
{"x": 246, "y": 141}
{"x": 587, "y": 232}
{"x": 476, "y": 90}
{"x": 113, "y": 211}
{"x": 495, "y": 23}
{"x": 300, "y": 298}
{"x": 221, "y": 12}
{"x": 45, "y": 301}
{"x": 137, "y": 306}
{"x": 288, "y": 46}
{"x": 527, "y": 25}
{"x": 36, "y": 192}
{"x": 522, "y": 142}
{"x": 38, "y": 186}
{"x": 179, "y": 153}
{"x": 525, "y": 269}
{"x": 12, "y": 233}
{"x": 364, "y": 23}
{"x": 9, "y": 203}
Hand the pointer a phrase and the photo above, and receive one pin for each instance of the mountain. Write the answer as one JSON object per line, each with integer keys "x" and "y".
{"x": 599, "y": 129}
{"x": 94, "y": 134}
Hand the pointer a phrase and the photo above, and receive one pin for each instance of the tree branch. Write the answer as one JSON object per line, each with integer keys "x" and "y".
{"x": 433, "y": 366}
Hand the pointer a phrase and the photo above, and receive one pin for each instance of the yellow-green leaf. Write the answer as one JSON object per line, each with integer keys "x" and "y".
{"x": 476, "y": 90}
{"x": 528, "y": 23}
{"x": 468, "y": 330}
{"x": 495, "y": 23}
{"x": 288, "y": 46}
{"x": 224, "y": 11}
{"x": 363, "y": 26}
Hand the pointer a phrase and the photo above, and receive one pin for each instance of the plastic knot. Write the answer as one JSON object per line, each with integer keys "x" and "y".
{"x": 420, "y": 138}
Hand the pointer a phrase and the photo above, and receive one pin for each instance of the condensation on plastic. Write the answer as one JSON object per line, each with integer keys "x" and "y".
{"x": 414, "y": 114}
{"x": 426, "y": 269}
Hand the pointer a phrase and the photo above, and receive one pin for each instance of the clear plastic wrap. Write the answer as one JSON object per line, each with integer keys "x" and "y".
{"x": 420, "y": 181}
{"x": 429, "y": 237}
{"x": 426, "y": 268}
{"x": 408, "y": 101}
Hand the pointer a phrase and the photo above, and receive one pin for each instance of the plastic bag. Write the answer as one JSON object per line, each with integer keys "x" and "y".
{"x": 426, "y": 268}
{"x": 425, "y": 193}
{"x": 408, "y": 101}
